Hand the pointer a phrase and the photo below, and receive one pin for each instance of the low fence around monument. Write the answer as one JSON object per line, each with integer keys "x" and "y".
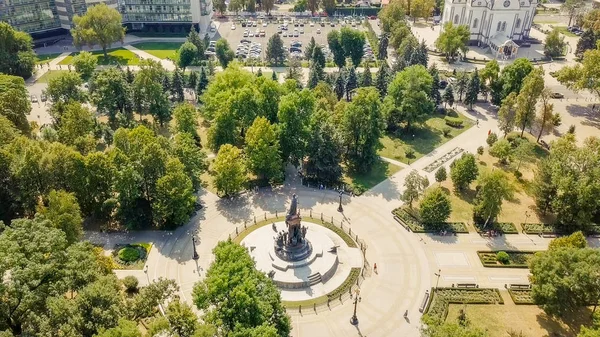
{"x": 346, "y": 290}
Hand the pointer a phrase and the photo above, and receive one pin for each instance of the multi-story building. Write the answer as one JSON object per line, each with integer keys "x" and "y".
{"x": 493, "y": 23}
{"x": 43, "y": 17}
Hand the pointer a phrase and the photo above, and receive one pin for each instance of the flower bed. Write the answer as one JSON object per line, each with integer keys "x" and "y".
{"x": 131, "y": 256}
{"x": 442, "y": 297}
{"x": 412, "y": 223}
{"x": 521, "y": 296}
{"x": 517, "y": 259}
{"x": 539, "y": 228}
{"x": 502, "y": 227}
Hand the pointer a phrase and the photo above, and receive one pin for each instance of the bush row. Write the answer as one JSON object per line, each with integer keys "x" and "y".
{"x": 502, "y": 227}
{"x": 453, "y": 121}
{"x": 517, "y": 259}
{"x": 521, "y": 296}
{"x": 442, "y": 297}
{"x": 413, "y": 224}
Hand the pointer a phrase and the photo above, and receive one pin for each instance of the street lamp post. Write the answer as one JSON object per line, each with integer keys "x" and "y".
{"x": 195, "y": 256}
{"x": 357, "y": 298}
{"x": 438, "y": 274}
{"x": 340, "y": 208}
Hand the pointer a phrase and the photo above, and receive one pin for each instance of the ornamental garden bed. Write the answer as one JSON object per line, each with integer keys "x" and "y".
{"x": 131, "y": 256}
{"x": 540, "y": 228}
{"x": 501, "y": 227}
{"x": 442, "y": 297}
{"x": 520, "y": 296}
{"x": 505, "y": 259}
{"x": 412, "y": 223}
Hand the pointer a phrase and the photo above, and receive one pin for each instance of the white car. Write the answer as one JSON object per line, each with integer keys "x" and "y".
{"x": 232, "y": 27}
{"x": 264, "y": 24}
{"x": 312, "y": 24}
{"x": 318, "y": 31}
{"x": 251, "y": 34}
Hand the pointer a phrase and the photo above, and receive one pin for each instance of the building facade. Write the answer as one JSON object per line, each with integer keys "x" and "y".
{"x": 492, "y": 23}
{"x": 39, "y": 17}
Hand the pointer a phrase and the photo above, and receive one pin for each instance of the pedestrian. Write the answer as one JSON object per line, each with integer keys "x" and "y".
{"x": 489, "y": 131}
{"x": 375, "y": 267}
{"x": 406, "y": 314}
{"x": 477, "y": 122}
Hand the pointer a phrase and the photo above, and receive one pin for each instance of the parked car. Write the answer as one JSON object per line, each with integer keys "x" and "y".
{"x": 557, "y": 95}
{"x": 34, "y": 99}
{"x": 318, "y": 31}
{"x": 44, "y": 97}
{"x": 232, "y": 27}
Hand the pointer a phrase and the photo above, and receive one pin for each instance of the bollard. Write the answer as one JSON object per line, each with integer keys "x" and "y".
{"x": 350, "y": 231}
{"x": 300, "y": 308}
{"x": 265, "y": 215}
{"x": 328, "y": 299}
{"x": 310, "y": 213}
{"x": 361, "y": 246}
{"x": 357, "y": 237}
{"x": 362, "y": 273}
{"x": 255, "y": 219}
{"x": 315, "y": 306}
{"x": 340, "y": 297}
{"x": 245, "y": 224}
{"x": 321, "y": 216}
{"x": 236, "y": 231}
{"x": 357, "y": 282}
{"x": 332, "y": 220}
{"x": 276, "y": 215}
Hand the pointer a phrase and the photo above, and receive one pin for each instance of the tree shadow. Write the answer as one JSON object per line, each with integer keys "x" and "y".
{"x": 591, "y": 118}
{"x": 467, "y": 195}
{"x": 422, "y": 139}
{"x": 566, "y": 326}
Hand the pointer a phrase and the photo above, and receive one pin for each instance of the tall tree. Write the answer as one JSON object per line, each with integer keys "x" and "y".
{"x": 100, "y": 173}
{"x": 77, "y": 126}
{"x": 453, "y": 39}
{"x": 513, "y": 75}
{"x": 555, "y": 44}
{"x": 435, "y": 95}
{"x": 463, "y": 171}
{"x": 262, "y": 150}
{"x": 508, "y": 113}
{"x": 230, "y": 170}
{"x": 174, "y": 201}
{"x": 586, "y": 41}
{"x": 493, "y": 189}
{"x": 192, "y": 80}
{"x": 185, "y": 119}
{"x": 318, "y": 56}
{"x": 362, "y": 124}
{"x": 191, "y": 156}
{"x": 220, "y": 6}
{"x": 149, "y": 96}
{"x": 295, "y": 112}
{"x": 112, "y": 94}
{"x": 17, "y": 57}
{"x": 63, "y": 212}
{"x": 202, "y": 83}
{"x": 382, "y": 47}
{"x": 324, "y": 154}
{"x": 435, "y": 207}
{"x": 352, "y": 41}
{"x": 236, "y": 304}
{"x": 351, "y": 83}
{"x": 85, "y": 64}
{"x": 268, "y": 5}
{"x": 381, "y": 82}
{"x": 414, "y": 185}
{"x": 188, "y": 52}
{"x": 177, "y": 86}
{"x": 572, "y": 8}
{"x": 14, "y": 100}
{"x": 308, "y": 52}
{"x": 275, "y": 50}
{"x": 528, "y": 97}
{"x": 462, "y": 83}
{"x": 408, "y": 96}
{"x": 472, "y": 89}
{"x": 366, "y": 78}
{"x": 336, "y": 48}
{"x": 313, "y": 6}
{"x": 340, "y": 84}
{"x": 100, "y": 25}
{"x": 64, "y": 88}
{"x": 194, "y": 38}
{"x": 583, "y": 76}
{"x": 448, "y": 96}
{"x": 224, "y": 52}
{"x": 392, "y": 15}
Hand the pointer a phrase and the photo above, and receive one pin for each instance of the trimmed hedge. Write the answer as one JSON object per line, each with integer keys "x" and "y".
{"x": 517, "y": 258}
{"x": 502, "y": 227}
{"x": 453, "y": 121}
{"x": 442, "y": 297}
{"x": 520, "y": 296}
{"x": 413, "y": 224}
{"x": 540, "y": 228}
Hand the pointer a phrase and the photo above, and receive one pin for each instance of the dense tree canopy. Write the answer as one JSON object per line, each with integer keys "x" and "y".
{"x": 14, "y": 102}
{"x": 16, "y": 52}
{"x": 408, "y": 101}
{"x": 100, "y": 25}
{"x": 453, "y": 39}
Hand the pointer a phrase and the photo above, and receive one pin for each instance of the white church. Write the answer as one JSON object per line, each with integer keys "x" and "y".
{"x": 493, "y": 23}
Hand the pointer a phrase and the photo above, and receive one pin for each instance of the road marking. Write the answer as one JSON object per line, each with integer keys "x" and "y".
{"x": 493, "y": 278}
{"x": 459, "y": 278}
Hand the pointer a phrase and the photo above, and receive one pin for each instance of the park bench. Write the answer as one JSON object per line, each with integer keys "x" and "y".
{"x": 467, "y": 285}
{"x": 519, "y": 286}
{"x": 424, "y": 302}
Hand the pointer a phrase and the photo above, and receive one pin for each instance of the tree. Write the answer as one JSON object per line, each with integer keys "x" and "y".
{"x": 462, "y": 83}
{"x": 381, "y": 82}
{"x": 340, "y": 84}
{"x": 185, "y": 118}
{"x": 64, "y": 88}
{"x": 587, "y": 41}
{"x": 575, "y": 240}
{"x": 300, "y": 6}
{"x": 149, "y": 96}
{"x": 177, "y": 88}
{"x": 555, "y": 44}
{"x": 17, "y": 57}
{"x": 472, "y": 90}
{"x": 100, "y": 25}
{"x": 247, "y": 301}
{"x": 313, "y": 6}
{"x": 361, "y": 127}
{"x": 546, "y": 120}
{"x": 408, "y": 96}
{"x": 100, "y": 173}
{"x": 508, "y": 113}
{"x": 318, "y": 56}
{"x": 564, "y": 279}
{"x": 308, "y": 52}
{"x": 435, "y": 207}
{"x": 77, "y": 127}
{"x": 382, "y": 47}
{"x": 85, "y": 64}
{"x": 421, "y": 9}
{"x": 543, "y": 188}
{"x": 328, "y": 6}
{"x": 275, "y": 50}
{"x": 452, "y": 39}
{"x": 351, "y": 83}
{"x": 230, "y": 170}
{"x": 336, "y": 48}
{"x": 392, "y": 15}
{"x": 435, "y": 85}
{"x": 448, "y": 96}
{"x": 268, "y": 5}
{"x": 414, "y": 185}
{"x": 295, "y": 112}
{"x": 125, "y": 328}
{"x": 187, "y": 53}
{"x": 352, "y": 41}
{"x": 224, "y": 52}
{"x": 532, "y": 88}
{"x": 182, "y": 320}
{"x": 194, "y": 38}
{"x": 463, "y": 171}
{"x": 583, "y": 76}
{"x": 202, "y": 83}
{"x": 14, "y": 100}
{"x": 367, "y": 78}
{"x": 315, "y": 75}
{"x": 440, "y": 174}
{"x": 145, "y": 304}
{"x": 262, "y": 150}
{"x": 572, "y": 8}
{"x": 442, "y": 329}
{"x": 513, "y": 75}
{"x": 63, "y": 212}
{"x": 324, "y": 154}
{"x": 502, "y": 150}
{"x": 174, "y": 201}
{"x": 192, "y": 157}
{"x": 490, "y": 72}
{"x": 588, "y": 332}
{"x": 111, "y": 92}
{"x": 493, "y": 189}
{"x": 221, "y": 6}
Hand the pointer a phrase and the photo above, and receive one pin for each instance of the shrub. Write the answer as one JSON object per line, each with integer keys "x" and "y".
{"x": 409, "y": 153}
{"x": 130, "y": 283}
{"x": 571, "y": 129}
{"x": 446, "y": 131}
{"x": 503, "y": 257}
{"x": 129, "y": 254}
{"x": 491, "y": 139}
{"x": 480, "y": 150}
{"x": 453, "y": 121}
{"x": 440, "y": 174}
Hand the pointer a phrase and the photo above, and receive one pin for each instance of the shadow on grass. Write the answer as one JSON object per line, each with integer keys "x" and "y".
{"x": 112, "y": 59}
{"x": 467, "y": 195}
{"x": 366, "y": 180}
{"x": 421, "y": 139}
{"x": 572, "y": 323}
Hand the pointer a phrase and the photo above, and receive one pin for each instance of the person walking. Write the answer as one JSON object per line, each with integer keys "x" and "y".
{"x": 375, "y": 267}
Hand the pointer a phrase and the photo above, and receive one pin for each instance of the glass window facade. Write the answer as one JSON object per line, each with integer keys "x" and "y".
{"x": 30, "y": 15}
{"x": 156, "y": 10}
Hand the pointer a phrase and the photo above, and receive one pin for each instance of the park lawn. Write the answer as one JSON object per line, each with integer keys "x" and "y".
{"x": 563, "y": 30}
{"x": 528, "y": 319}
{"x": 422, "y": 139}
{"x": 161, "y": 50}
{"x": 46, "y": 57}
{"x": 208, "y": 179}
{"x": 512, "y": 210}
{"x": 365, "y": 181}
{"x": 120, "y": 56}
{"x": 50, "y": 75}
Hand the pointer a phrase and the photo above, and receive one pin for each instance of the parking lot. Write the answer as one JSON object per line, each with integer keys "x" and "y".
{"x": 305, "y": 28}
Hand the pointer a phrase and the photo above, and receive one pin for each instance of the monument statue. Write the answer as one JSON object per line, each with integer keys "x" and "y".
{"x": 293, "y": 245}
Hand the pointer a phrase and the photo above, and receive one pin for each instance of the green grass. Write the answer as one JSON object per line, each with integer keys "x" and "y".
{"x": 161, "y": 50}
{"x": 421, "y": 139}
{"x": 361, "y": 182}
{"x": 50, "y": 75}
{"x": 563, "y": 30}
{"x": 120, "y": 56}
{"x": 46, "y": 58}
